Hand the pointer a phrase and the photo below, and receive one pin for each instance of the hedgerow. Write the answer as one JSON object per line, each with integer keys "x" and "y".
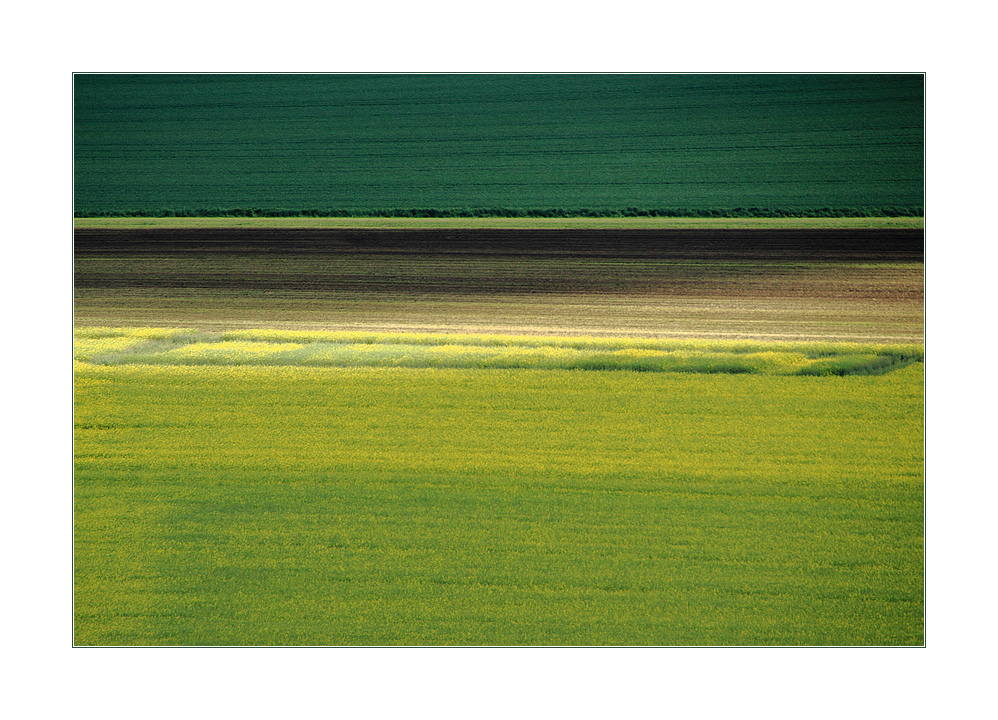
{"x": 738, "y": 212}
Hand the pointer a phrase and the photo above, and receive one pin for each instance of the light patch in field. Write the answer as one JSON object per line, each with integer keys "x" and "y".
{"x": 88, "y": 347}
{"x": 227, "y": 353}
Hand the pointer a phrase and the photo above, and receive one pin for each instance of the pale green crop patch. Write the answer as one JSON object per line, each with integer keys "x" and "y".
{"x": 145, "y": 346}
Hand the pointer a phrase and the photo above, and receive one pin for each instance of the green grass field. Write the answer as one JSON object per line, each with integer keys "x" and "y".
{"x": 223, "y": 498}
{"x": 451, "y": 142}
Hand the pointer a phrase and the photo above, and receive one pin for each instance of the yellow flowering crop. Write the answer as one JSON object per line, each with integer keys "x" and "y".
{"x": 415, "y": 350}
{"x": 290, "y": 505}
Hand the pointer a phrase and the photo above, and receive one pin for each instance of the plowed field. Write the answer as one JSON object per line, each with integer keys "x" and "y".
{"x": 789, "y": 284}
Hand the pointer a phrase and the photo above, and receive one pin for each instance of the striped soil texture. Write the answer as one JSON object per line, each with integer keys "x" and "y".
{"x": 864, "y": 285}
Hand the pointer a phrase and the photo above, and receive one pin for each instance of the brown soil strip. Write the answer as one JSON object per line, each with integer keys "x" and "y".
{"x": 807, "y": 284}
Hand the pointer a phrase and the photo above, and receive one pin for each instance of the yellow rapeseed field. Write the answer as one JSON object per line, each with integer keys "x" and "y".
{"x": 231, "y": 502}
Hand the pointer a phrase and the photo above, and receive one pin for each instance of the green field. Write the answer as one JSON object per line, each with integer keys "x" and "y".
{"x": 224, "y": 497}
{"x": 580, "y": 143}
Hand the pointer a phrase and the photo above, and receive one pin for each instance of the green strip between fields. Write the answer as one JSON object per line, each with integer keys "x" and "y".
{"x": 500, "y": 223}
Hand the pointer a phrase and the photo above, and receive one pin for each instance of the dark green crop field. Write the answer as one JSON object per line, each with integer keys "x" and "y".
{"x": 361, "y": 143}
